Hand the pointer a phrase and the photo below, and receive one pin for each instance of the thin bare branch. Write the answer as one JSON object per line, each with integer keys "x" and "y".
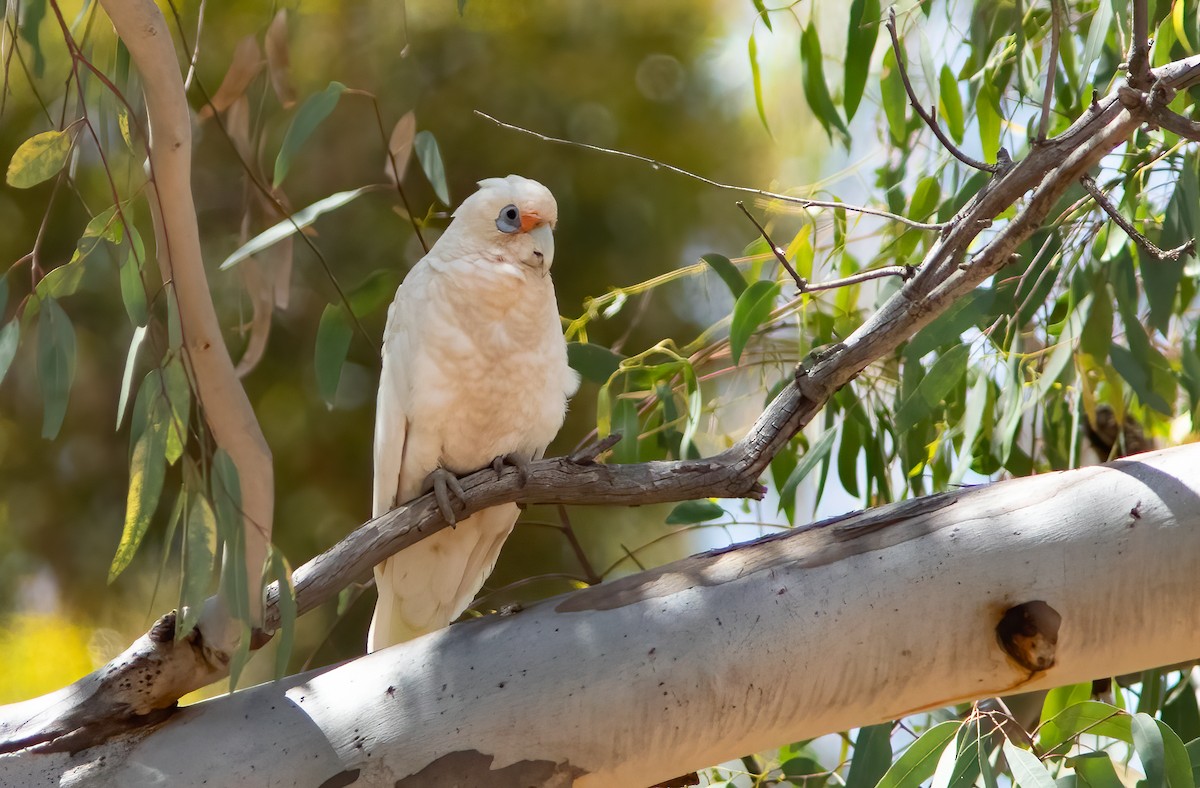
{"x": 1051, "y": 69}
{"x": 658, "y": 165}
{"x": 930, "y": 121}
{"x": 1114, "y": 213}
{"x": 779, "y": 253}
{"x": 905, "y": 272}
{"x": 1140, "y": 75}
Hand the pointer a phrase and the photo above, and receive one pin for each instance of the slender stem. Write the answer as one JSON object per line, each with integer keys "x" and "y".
{"x": 930, "y": 121}
{"x": 780, "y": 255}
{"x": 1105, "y": 203}
{"x": 658, "y": 165}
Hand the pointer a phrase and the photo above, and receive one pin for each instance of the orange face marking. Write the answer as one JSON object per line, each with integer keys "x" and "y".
{"x": 529, "y": 221}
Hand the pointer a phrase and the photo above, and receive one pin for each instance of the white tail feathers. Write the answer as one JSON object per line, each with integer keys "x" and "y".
{"x": 430, "y": 584}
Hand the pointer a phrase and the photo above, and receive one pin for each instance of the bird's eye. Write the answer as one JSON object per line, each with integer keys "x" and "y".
{"x": 509, "y": 220}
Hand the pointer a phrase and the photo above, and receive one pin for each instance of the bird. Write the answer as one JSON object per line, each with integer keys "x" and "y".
{"x": 475, "y": 373}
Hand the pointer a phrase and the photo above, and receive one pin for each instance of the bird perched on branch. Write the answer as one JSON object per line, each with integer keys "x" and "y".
{"x": 474, "y": 373}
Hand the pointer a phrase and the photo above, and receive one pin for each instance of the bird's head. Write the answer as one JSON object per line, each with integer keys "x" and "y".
{"x": 513, "y": 215}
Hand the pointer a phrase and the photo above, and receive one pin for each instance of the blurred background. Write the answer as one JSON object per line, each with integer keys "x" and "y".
{"x": 668, "y": 80}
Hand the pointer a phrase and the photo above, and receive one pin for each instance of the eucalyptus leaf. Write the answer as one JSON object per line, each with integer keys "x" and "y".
{"x": 314, "y": 110}
{"x": 430, "y": 157}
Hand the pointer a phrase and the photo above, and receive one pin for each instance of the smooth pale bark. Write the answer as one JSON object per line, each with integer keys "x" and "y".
{"x": 848, "y": 622}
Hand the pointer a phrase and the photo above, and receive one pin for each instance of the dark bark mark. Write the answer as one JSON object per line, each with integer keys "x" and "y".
{"x": 342, "y": 779}
{"x": 471, "y": 767}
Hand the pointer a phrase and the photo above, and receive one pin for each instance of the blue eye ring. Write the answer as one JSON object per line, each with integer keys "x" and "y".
{"x": 509, "y": 220}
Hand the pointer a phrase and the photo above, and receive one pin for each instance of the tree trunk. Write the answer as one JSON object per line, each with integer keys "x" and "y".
{"x": 1016, "y": 586}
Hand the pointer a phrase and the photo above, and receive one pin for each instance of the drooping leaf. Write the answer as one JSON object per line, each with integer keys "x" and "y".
{"x": 817, "y": 452}
{"x": 400, "y": 147}
{"x": 244, "y": 65}
{"x": 10, "y": 336}
{"x": 147, "y": 469}
{"x": 860, "y": 43}
{"x": 1098, "y": 30}
{"x": 179, "y": 397}
{"x": 728, "y": 272}
{"x": 133, "y": 293}
{"x": 1027, "y": 770}
{"x": 56, "y": 365}
{"x": 756, "y": 80}
{"x": 282, "y": 572}
{"x": 135, "y": 344}
{"x": 1095, "y": 770}
{"x": 690, "y": 512}
{"x": 298, "y": 221}
{"x": 38, "y": 159}
{"x": 761, "y": 8}
{"x": 942, "y": 377}
{"x": 1089, "y": 716}
{"x": 199, "y": 554}
{"x": 626, "y": 424}
{"x": 231, "y": 525}
{"x": 816, "y": 92}
{"x": 895, "y": 100}
{"x": 752, "y": 307}
{"x": 279, "y": 59}
{"x": 314, "y": 110}
{"x": 918, "y": 762}
{"x": 872, "y": 755}
{"x": 333, "y": 343}
{"x": 430, "y": 157}
{"x": 987, "y": 114}
{"x": 594, "y": 362}
{"x": 950, "y": 104}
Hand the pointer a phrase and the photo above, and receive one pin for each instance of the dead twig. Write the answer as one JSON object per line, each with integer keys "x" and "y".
{"x": 1115, "y": 214}
{"x": 926, "y": 116}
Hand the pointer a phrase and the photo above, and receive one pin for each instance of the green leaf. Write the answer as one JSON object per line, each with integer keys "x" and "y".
{"x": 32, "y": 13}
{"x": 10, "y": 337}
{"x": 925, "y": 198}
{"x": 146, "y": 471}
{"x": 1097, "y": 31}
{"x": 133, "y": 294}
{"x": 1090, "y": 716}
{"x": 298, "y": 221}
{"x": 1148, "y": 743}
{"x": 314, "y": 110}
{"x": 38, "y": 159}
{"x": 918, "y": 762}
{"x": 375, "y": 291}
{"x": 426, "y": 146}
{"x": 1027, "y": 770}
{"x": 1095, "y": 770}
{"x": 625, "y": 423}
{"x": 1096, "y": 337}
{"x": 817, "y": 452}
{"x": 135, "y": 344}
{"x": 179, "y": 396}
{"x": 333, "y": 343}
{"x": 950, "y": 104}
{"x": 972, "y": 425}
{"x": 690, "y": 512}
{"x": 946, "y": 373}
{"x": 282, "y": 571}
{"x": 728, "y": 272}
{"x": 756, "y": 80}
{"x": 894, "y": 98}
{"x": 1134, "y": 368}
{"x": 231, "y": 525}
{"x": 872, "y": 755}
{"x": 761, "y": 8}
{"x": 749, "y": 311}
{"x": 56, "y": 365}
{"x": 805, "y": 772}
{"x": 815, "y": 90}
{"x": 594, "y": 362}
{"x": 199, "y": 553}
{"x": 987, "y": 113}
{"x": 1178, "y": 763}
{"x": 860, "y": 43}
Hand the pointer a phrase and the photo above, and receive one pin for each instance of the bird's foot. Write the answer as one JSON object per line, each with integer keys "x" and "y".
{"x": 445, "y": 484}
{"x": 515, "y": 459}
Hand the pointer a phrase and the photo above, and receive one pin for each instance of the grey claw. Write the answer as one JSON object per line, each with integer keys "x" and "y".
{"x": 518, "y": 461}
{"x": 444, "y": 484}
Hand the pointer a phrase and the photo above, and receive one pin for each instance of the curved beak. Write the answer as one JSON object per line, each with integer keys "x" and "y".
{"x": 543, "y": 244}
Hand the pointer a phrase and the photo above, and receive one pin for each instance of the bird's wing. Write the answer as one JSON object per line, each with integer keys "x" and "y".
{"x": 391, "y": 417}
